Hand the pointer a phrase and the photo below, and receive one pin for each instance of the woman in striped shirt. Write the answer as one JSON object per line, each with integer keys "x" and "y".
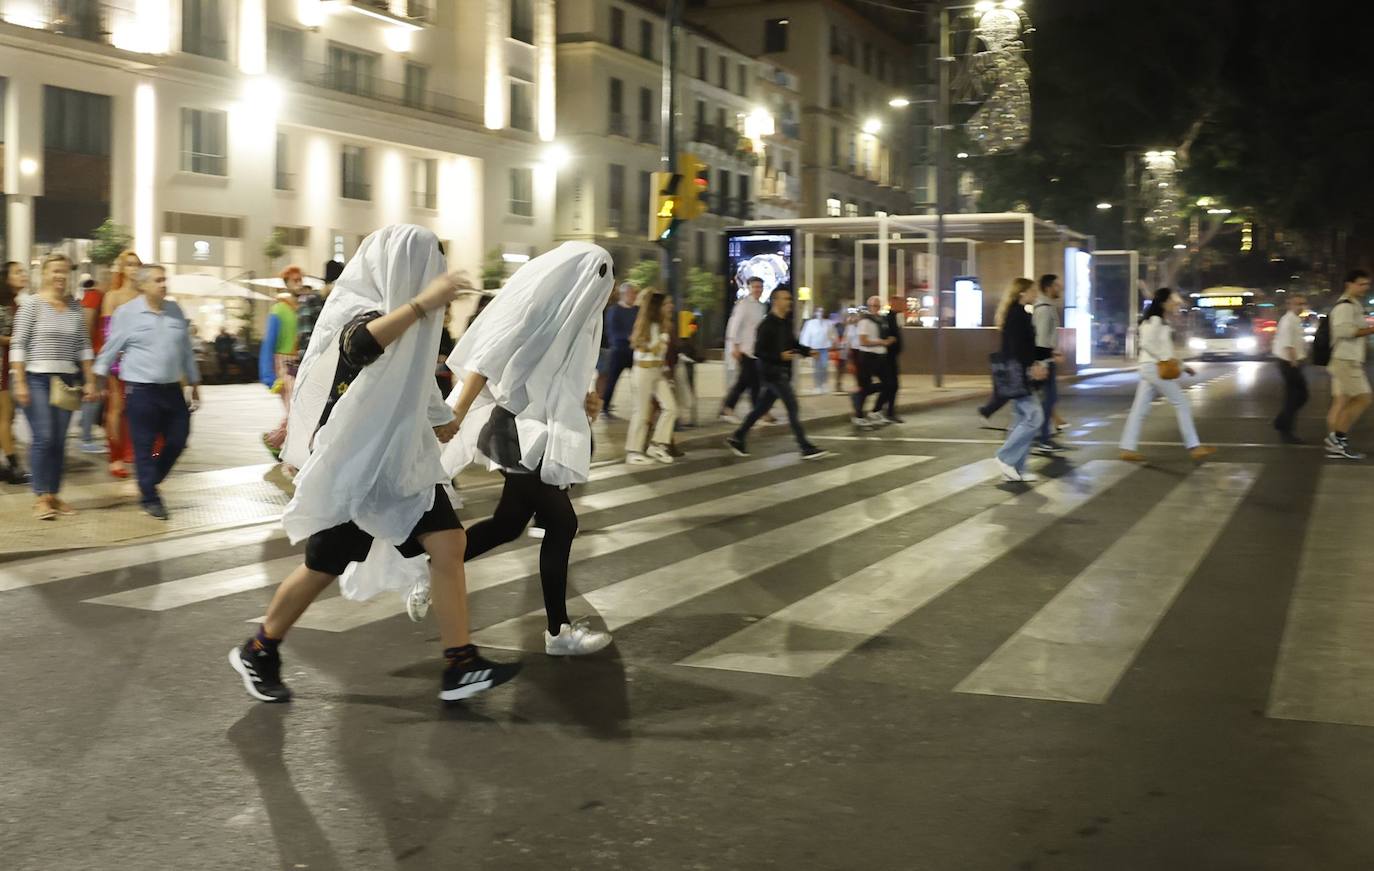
{"x": 50, "y": 345}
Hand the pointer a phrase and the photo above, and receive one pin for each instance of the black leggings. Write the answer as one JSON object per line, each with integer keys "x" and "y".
{"x": 522, "y": 497}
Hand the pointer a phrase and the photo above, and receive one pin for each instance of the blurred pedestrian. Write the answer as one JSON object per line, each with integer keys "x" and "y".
{"x": 652, "y": 382}
{"x": 887, "y": 402}
{"x": 279, "y": 354}
{"x": 1022, "y": 372}
{"x": 15, "y": 281}
{"x": 91, "y": 299}
{"x": 152, "y": 340}
{"x": 123, "y": 290}
{"x": 1045, "y": 319}
{"x": 740, "y": 332}
{"x": 1290, "y": 351}
{"x": 1160, "y": 369}
{"x": 619, "y": 324}
{"x": 818, "y": 335}
{"x": 874, "y": 375}
{"x": 1350, "y": 392}
{"x": 50, "y": 362}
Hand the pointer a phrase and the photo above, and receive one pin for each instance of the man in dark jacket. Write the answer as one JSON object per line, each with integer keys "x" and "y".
{"x": 620, "y": 322}
{"x": 775, "y": 347}
{"x": 887, "y": 401}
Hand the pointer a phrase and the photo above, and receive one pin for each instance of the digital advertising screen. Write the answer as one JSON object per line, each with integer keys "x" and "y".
{"x": 757, "y": 253}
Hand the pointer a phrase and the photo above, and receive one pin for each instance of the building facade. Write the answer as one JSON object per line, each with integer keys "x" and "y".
{"x": 209, "y": 126}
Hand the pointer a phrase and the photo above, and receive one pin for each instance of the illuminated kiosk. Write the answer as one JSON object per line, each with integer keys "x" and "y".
{"x": 893, "y": 258}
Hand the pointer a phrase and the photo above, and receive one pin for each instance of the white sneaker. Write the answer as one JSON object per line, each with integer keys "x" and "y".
{"x": 861, "y": 422}
{"x": 417, "y": 601}
{"x": 576, "y": 639}
{"x": 635, "y": 458}
{"x": 1029, "y": 477}
{"x": 1009, "y": 473}
{"x": 730, "y": 417}
{"x": 536, "y": 532}
{"x": 659, "y": 454}
{"x": 878, "y": 420}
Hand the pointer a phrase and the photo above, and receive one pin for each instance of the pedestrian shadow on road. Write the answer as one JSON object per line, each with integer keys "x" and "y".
{"x": 260, "y": 739}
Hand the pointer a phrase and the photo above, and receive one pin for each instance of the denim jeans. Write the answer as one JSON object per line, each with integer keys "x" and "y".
{"x": 1150, "y": 384}
{"x": 90, "y": 412}
{"x": 156, "y": 410}
{"x": 1026, "y": 417}
{"x": 818, "y": 366}
{"x": 48, "y": 426}
{"x": 1049, "y": 396}
{"x": 777, "y": 384}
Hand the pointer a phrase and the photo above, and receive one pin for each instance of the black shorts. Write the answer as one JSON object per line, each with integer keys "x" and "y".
{"x": 331, "y": 550}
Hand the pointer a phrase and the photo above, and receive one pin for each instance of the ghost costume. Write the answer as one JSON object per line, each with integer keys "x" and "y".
{"x": 375, "y": 462}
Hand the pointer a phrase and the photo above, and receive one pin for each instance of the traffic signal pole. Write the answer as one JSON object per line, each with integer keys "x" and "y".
{"x": 671, "y": 279}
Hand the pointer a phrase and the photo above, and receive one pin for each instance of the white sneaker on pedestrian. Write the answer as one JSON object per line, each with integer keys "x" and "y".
{"x": 861, "y": 422}
{"x": 876, "y": 419}
{"x": 417, "y": 601}
{"x": 1009, "y": 473}
{"x": 635, "y": 458}
{"x": 730, "y": 417}
{"x": 1029, "y": 477}
{"x": 659, "y": 453}
{"x": 536, "y": 532}
{"x": 576, "y": 639}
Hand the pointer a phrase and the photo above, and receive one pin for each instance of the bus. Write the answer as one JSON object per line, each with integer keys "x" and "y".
{"x": 1222, "y": 323}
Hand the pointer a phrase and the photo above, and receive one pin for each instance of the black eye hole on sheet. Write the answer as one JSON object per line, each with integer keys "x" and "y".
{"x": 602, "y": 271}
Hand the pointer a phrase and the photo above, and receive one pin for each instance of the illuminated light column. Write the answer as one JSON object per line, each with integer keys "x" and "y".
{"x": 145, "y": 171}
{"x": 544, "y": 39}
{"x": 252, "y": 37}
{"x": 310, "y": 13}
{"x": 494, "y": 111}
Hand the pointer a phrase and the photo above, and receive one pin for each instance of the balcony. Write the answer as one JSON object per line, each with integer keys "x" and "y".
{"x": 648, "y": 132}
{"x": 424, "y": 200}
{"x": 416, "y": 12}
{"x": 376, "y": 89}
{"x": 617, "y": 124}
{"x": 284, "y": 181}
{"x": 356, "y": 190}
{"x": 727, "y": 139}
{"x": 780, "y": 187}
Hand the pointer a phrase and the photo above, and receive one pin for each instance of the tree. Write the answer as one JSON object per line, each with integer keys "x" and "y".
{"x": 274, "y": 247}
{"x": 702, "y": 292}
{"x": 493, "y": 270}
{"x": 110, "y": 239}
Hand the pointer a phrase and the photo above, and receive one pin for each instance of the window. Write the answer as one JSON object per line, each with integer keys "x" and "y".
{"x": 284, "y": 182}
{"x": 350, "y": 70}
{"x": 615, "y": 196}
{"x": 775, "y": 35}
{"x": 834, "y": 148}
{"x": 191, "y": 224}
{"x": 416, "y": 86}
{"x": 202, "y": 29}
{"x": 354, "y": 166}
{"x": 723, "y": 72}
{"x": 424, "y": 183}
{"x": 203, "y": 142}
{"x": 832, "y": 207}
{"x": 723, "y": 206}
{"x": 836, "y": 44}
{"x": 700, "y": 133}
{"x": 868, "y": 59}
{"x": 522, "y": 21}
{"x": 522, "y": 192}
{"x": 834, "y": 91}
{"x": 616, "y": 101}
{"x": 744, "y": 203}
{"x": 648, "y": 118}
{"x": 293, "y": 237}
{"x": 703, "y": 63}
{"x": 617, "y": 27}
{"x": 743, "y": 80}
{"x": 646, "y": 38}
{"x": 851, "y": 210}
{"x": 75, "y": 121}
{"x": 646, "y": 196}
{"x": 285, "y": 51}
{"x": 521, "y": 104}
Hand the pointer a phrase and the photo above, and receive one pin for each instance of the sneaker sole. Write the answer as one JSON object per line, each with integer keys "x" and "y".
{"x": 416, "y": 611}
{"x": 586, "y": 651}
{"x": 237, "y": 664}
{"x": 821, "y": 456}
{"x": 464, "y": 692}
{"x": 736, "y": 451}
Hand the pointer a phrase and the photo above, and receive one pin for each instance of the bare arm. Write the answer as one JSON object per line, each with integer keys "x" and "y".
{"x": 441, "y": 291}
{"x": 472, "y": 385}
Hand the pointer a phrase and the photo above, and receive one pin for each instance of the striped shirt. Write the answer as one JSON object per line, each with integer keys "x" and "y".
{"x": 49, "y": 341}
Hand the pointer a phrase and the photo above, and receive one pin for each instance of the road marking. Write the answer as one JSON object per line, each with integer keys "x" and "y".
{"x": 813, "y": 633}
{"x": 1084, "y": 443}
{"x": 340, "y": 615}
{"x": 627, "y": 601}
{"x": 1079, "y": 645}
{"x": 228, "y": 582}
{"x": 45, "y": 570}
{"x": 1325, "y": 670}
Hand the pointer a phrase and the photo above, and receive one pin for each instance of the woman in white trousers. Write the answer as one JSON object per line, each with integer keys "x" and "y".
{"x": 652, "y": 332}
{"x": 1156, "y": 344}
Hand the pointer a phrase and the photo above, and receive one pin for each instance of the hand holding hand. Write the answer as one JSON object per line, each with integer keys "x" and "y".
{"x": 789, "y": 355}
{"x": 592, "y": 405}
{"x": 446, "y": 432}
{"x": 21, "y": 393}
{"x": 89, "y": 393}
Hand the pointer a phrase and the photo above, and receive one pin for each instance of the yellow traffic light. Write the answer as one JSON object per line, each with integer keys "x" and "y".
{"x": 663, "y": 216}
{"x": 693, "y": 191}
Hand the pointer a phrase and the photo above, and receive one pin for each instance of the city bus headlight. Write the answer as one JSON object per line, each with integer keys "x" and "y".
{"x": 1246, "y": 344}
{"x": 1197, "y": 345}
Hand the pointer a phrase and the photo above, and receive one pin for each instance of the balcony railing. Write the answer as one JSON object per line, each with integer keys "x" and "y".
{"x": 780, "y": 187}
{"x": 355, "y": 190}
{"x": 285, "y": 181}
{"x": 376, "y": 88}
{"x": 203, "y": 163}
{"x": 617, "y": 124}
{"x": 424, "y": 200}
{"x": 648, "y": 132}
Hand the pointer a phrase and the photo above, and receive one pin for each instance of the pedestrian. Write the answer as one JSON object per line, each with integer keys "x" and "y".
{"x": 846, "y": 353}
{"x": 1024, "y": 372}
{"x": 123, "y": 290}
{"x": 16, "y": 281}
{"x": 652, "y": 382}
{"x": 280, "y": 352}
{"x": 1349, "y": 384}
{"x": 818, "y": 335}
{"x": 887, "y": 403}
{"x": 1045, "y": 319}
{"x": 372, "y": 359}
{"x": 1290, "y": 350}
{"x": 308, "y": 306}
{"x": 619, "y": 324}
{"x": 873, "y": 372}
{"x": 740, "y": 333}
{"x": 224, "y": 353}
{"x": 152, "y": 340}
{"x": 50, "y": 365}
{"x": 1159, "y": 372}
{"x": 775, "y": 347}
{"x": 91, "y": 298}
{"x": 524, "y": 409}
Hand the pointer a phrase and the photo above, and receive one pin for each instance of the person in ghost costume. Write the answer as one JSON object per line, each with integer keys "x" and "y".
{"x": 525, "y": 400}
{"x": 365, "y": 428}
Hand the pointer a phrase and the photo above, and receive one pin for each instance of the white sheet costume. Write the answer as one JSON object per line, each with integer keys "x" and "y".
{"x": 537, "y": 344}
{"x": 376, "y": 461}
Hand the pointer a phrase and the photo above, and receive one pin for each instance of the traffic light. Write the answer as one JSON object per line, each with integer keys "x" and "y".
{"x": 693, "y": 195}
{"x": 663, "y": 215}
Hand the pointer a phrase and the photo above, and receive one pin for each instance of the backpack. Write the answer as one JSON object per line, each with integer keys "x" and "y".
{"x": 1321, "y": 342}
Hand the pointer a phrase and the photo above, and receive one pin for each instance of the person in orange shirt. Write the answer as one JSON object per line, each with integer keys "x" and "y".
{"x": 123, "y": 289}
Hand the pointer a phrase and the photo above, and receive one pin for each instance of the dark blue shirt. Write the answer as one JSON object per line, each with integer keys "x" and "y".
{"x": 620, "y": 322}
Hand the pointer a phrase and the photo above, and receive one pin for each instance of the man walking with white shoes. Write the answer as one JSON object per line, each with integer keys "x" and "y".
{"x": 740, "y": 333}
{"x": 1350, "y": 391}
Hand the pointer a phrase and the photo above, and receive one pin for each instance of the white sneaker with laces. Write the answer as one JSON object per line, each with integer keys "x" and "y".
{"x": 576, "y": 639}
{"x": 877, "y": 419}
{"x": 1009, "y": 473}
{"x": 637, "y": 459}
{"x": 536, "y": 532}
{"x": 730, "y": 417}
{"x": 417, "y": 601}
{"x": 660, "y": 454}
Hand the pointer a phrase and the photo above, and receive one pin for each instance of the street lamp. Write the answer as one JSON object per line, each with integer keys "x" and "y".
{"x": 899, "y": 102}
{"x": 872, "y": 126}
{"x": 557, "y": 156}
{"x": 1102, "y": 207}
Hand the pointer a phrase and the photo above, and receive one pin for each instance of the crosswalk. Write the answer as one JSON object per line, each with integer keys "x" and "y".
{"x": 712, "y": 528}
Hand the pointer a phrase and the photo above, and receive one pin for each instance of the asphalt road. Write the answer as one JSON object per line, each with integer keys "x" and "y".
{"x": 887, "y": 660}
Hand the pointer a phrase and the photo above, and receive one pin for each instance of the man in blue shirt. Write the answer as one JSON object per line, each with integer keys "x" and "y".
{"x": 153, "y": 339}
{"x": 620, "y": 322}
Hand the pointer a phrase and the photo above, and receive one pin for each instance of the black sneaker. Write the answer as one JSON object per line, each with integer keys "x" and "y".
{"x": 261, "y": 672}
{"x": 815, "y": 453}
{"x": 475, "y": 675}
{"x": 737, "y": 446}
{"x": 155, "y": 509}
{"x": 892, "y": 418}
{"x": 1049, "y": 446}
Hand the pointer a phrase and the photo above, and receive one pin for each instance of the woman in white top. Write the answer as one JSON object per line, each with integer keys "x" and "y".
{"x": 652, "y": 381}
{"x": 1157, "y": 347}
{"x": 819, "y": 335}
{"x": 50, "y": 355}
